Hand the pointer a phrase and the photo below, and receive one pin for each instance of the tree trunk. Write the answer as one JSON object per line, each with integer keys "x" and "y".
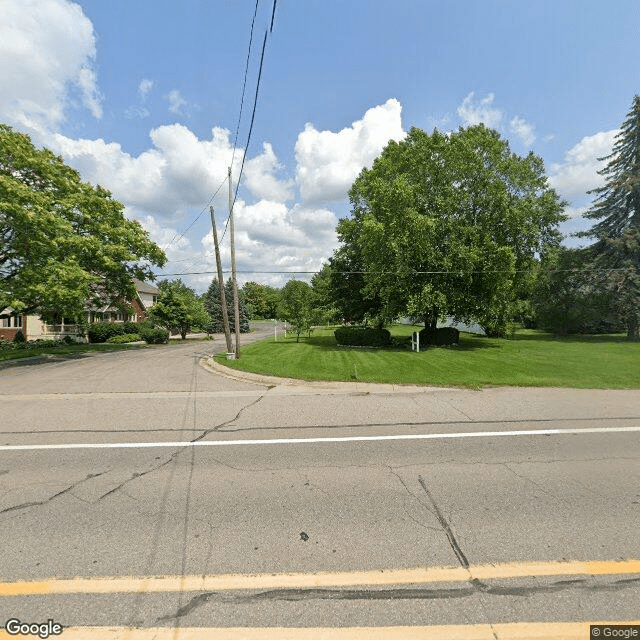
{"x": 632, "y": 327}
{"x": 183, "y": 335}
{"x": 431, "y": 319}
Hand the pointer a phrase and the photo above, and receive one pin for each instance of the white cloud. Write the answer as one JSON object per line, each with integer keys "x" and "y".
{"x": 47, "y": 49}
{"x": 273, "y": 237}
{"x": 179, "y": 172}
{"x": 260, "y": 177}
{"x": 577, "y": 174}
{"x": 176, "y": 101}
{"x": 473, "y": 112}
{"x": 523, "y": 129}
{"x": 144, "y": 88}
{"x": 329, "y": 162}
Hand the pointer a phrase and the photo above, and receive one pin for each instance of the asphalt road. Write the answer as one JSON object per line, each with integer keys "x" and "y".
{"x": 329, "y": 507}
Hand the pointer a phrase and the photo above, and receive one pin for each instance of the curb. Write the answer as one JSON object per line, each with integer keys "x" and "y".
{"x": 318, "y": 386}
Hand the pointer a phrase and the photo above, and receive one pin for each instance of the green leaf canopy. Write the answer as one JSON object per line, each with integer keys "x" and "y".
{"x": 63, "y": 243}
{"x": 450, "y": 225}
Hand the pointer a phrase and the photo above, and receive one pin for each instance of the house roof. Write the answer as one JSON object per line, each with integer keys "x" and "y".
{"x": 143, "y": 287}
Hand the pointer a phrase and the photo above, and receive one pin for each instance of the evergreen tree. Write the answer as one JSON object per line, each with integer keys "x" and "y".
{"x": 212, "y": 305}
{"x": 617, "y": 207}
{"x": 617, "y": 203}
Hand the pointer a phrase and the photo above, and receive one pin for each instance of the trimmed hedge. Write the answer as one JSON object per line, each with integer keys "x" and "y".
{"x": 124, "y": 338}
{"x": 440, "y": 337}
{"x": 362, "y": 337}
{"x": 105, "y": 331}
{"x": 154, "y": 335}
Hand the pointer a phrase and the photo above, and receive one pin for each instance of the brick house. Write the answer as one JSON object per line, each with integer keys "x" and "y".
{"x": 54, "y": 326}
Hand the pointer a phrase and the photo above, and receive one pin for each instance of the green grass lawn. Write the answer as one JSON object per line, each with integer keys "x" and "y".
{"x": 63, "y": 350}
{"x": 531, "y": 358}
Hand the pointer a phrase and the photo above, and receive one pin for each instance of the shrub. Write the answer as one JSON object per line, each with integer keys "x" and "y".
{"x": 102, "y": 331}
{"x": 439, "y": 337}
{"x": 131, "y": 327}
{"x": 362, "y": 337}
{"x": 154, "y": 335}
{"x": 19, "y": 337}
{"x": 124, "y": 338}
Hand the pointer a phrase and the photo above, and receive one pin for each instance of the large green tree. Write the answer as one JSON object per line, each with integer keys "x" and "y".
{"x": 63, "y": 243}
{"x": 261, "y": 300}
{"x": 617, "y": 207}
{"x": 451, "y": 224}
{"x": 178, "y": 308}
{"x": 296, "y": 299}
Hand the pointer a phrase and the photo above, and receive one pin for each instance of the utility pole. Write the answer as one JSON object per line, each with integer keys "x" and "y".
{"x": 223, "y": 299}
{"x": 236, "y": 303}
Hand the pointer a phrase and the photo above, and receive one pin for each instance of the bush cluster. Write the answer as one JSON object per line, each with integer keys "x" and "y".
{"x": 439, "y": 337}
{"x": 147, "y": 331}
{"x": 102, "y": 331}
{"x": 154, "y": 335}
{"x": 6, "y": 345}
{"x": 124, "y": 338}
{"x": 362, "y": 337}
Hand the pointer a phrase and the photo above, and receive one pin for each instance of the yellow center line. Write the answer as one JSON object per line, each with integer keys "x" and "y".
{"x": 502, "y": 631}
{"x": 324, "y": 579}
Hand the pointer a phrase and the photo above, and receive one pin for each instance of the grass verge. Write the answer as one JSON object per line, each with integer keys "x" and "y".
{"x": 531, "y": 358}
{"x": 64, "y": 350}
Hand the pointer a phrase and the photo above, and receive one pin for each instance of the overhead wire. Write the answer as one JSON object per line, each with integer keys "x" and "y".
{"x": 176, "y": 236}
{"x": 396, "y": 273}
{"x": 253, "y": 115}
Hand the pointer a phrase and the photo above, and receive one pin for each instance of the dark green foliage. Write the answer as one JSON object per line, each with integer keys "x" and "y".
{"x": 102, "y": 331}
{"x": 617, "y": 207}
{"x": 124, "y": 338}
{"x": 214, "y": 309}
{"x": 296, "y": 299}
{"x": 178, "y": 308}
{"x": 570, "y": 297}
{"x": 261, "y": 300}
{"x": 352, "y": 301}
{"x": 446, "y": 224}
{"x": 362, "y": 337}
{"x": 63, "y": 242}
{"x": 323, "y": 306}
{"x": 439, "y": 337}
{"x": 19, "y": 337}
{"x": 153, "y": 335}
{"x": 617, "y": 203}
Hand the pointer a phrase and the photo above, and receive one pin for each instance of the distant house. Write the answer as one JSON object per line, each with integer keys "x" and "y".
{"x": 54, "y": 326}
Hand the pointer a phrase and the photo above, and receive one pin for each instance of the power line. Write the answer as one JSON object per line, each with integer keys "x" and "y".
{"x": 176, "y": 237}
{"x": 457, "y": 272}
{"x": 253, "y": 115}
{"x": 244, "y": 84}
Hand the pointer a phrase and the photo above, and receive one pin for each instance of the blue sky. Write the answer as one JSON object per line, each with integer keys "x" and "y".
{"x": 143, "y": 97}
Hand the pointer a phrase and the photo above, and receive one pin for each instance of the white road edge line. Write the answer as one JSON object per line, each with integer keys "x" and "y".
{"x": 228, "y": 443}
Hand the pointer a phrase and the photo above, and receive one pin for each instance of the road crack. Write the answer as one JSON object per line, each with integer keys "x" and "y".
{"x": 478, "y": 585}
{"x": 40, "y": 503}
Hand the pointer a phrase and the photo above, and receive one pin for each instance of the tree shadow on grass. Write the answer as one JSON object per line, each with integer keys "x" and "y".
{"x": 602, "y": 338}
{"x": 328, "y": 343}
